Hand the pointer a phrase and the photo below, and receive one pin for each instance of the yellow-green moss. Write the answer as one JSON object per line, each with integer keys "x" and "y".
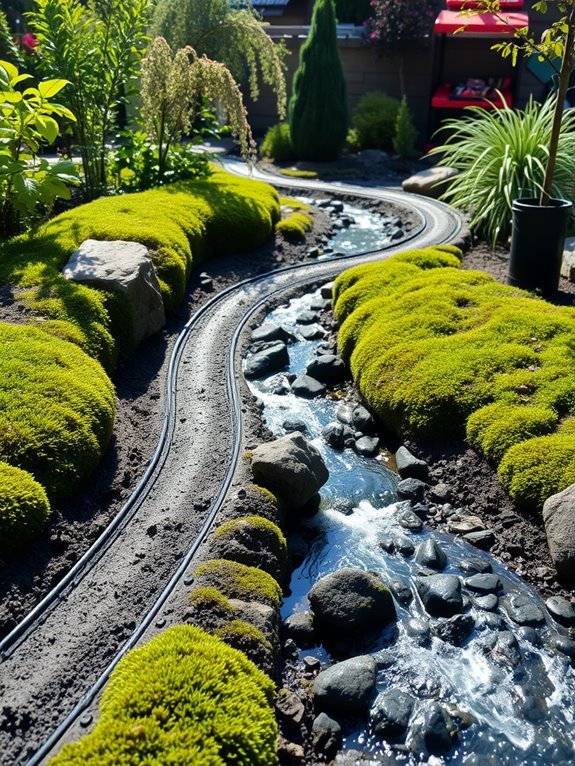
{"x": 256, "y": 538}
{"x": 441, "y": 352}
{"x": 236, "y": 580}
{"x": 251, "y": 641}
{"x": 295, "y": 204}
{"x": 24, "y": 507}
{"x": 295, "y": 226}
{"x": 183, "y": 698}
{"x": 56, "y": 408}
{"x": 211, "y": 598}
{"x": 295, "y": 173}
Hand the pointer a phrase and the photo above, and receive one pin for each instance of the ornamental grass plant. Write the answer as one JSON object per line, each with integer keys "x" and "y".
{"x": 501, "y": 155}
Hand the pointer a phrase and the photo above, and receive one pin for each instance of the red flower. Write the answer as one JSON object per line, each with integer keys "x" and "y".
{"x": 29, "y": 41}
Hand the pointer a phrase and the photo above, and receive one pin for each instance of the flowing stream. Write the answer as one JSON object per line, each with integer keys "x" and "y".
{"x": 518, "y": 696}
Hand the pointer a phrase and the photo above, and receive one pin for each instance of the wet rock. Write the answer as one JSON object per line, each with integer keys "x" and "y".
{"x": 559, "y": 519}
{"x": 401, "y": 591}
{"x": 429, "y": 554}
{"x": 337, "y": 435}
{"x": 289, "y": 707}
{"x": 441, "y": 492}
{"x": 347, "y": 687}
{"x": 488, "y": 603}
{"x": 343, "y": 505}
{"x": 419, "y": 631}
{"x": 311, "y": 665}
{"x": 311, "y": 332}
{"x": 435, "y": 733}
{"x": 409, "y": 520}
{"x": 483, "y": 539}
{"x": 522, "y": 610}
{"x": 289, "y": 649}
{"x": 530, "y": 634}
{"x": 404, "y": 546}
{"x": 327, "y": 368}
{"x": 391, "y": 713}
{"x": 564, "y": 645}
{"x": 343, "y": 413}
{"x": 270, "y": 331}
{"x": 421, "y": 510}
{"x": 440, "y": 594}
{"x": 507, "y": 648}
{"x": 561, "y": 610}
{"x": 362, "y": 420}
{"x": 409, "y": 466}
{"x": 411, "y": 489}
{"x": 299, "y": 627}
{"x": 319, "y": 304}
{"x": 291, "y": 467}
{"x": 307, "y": 387}
{"x": 454, "y": 630}
{"x": 306, "y": 317}
{"x": 269, "y": 359}
{"x": 492, "y": 621}
{"x": 366, "y": 445}
{"x": 294, "y": 425}
{"x": 351, "y": 599}
{"x": 387, "y": 545}
{"x": 326, "y": 290}
{"x": 474, "y": 565}
{"x": 483, "y": 583}
{"x": 326, "y": 737}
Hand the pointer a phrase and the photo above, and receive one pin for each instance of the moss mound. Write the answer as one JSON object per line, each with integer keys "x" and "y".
{"x": 439, "y": 352}
{"x": 295, "y": 226}
{"x": 251, "y": 641}
{"x": 239, "y": 581}
{"x": 253, "y": 541}
{"x": 56, "y": 408}
{"x": 253, "y": 500}
{"x": 24, "y": 507}
{"x": 183, "y": 698}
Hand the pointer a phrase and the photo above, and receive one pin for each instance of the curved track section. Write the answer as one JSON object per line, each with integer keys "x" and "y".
{"x": 57, "y": 660}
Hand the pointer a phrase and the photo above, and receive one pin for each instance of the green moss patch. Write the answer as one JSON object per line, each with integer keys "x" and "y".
{"x": 439, "y": 352}
{"x": 253, "y": 541}
{"x": 295, "y": 226}
{"x": 24, "y": 507}
{"x": 56, "y": 408}
{"x": 183, "y": 698}
{"x": 251, "y": 641}
{"x": 239, "y": 581}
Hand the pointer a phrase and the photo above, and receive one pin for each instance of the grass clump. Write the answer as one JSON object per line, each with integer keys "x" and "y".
{"x": 295, "y": 226}
{"x": 183, "y": 698}
{"x": 24, "y": 507}
{"x": 239, "y": 581}
{"x": 56, "y": 408}
{"x": 439, "y": 352}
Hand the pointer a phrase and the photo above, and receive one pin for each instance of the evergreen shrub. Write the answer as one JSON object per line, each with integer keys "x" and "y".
{"x": 277, "y": 144}
{"x": 439, "y": 352}
{"x": 374, "y": 121}
{"x": 183, "y": 698}
{"x": 24, "y": 507}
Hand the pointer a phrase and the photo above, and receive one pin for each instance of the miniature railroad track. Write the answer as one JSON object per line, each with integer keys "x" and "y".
{"x": 57, "y": 659}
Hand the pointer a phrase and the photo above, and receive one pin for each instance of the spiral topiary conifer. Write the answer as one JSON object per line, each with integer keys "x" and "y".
{"x": 318, "y": 110}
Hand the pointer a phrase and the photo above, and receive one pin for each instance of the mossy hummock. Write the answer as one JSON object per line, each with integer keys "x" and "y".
{"x": 24, "y": 507}
{"x": 239, "y": 581}
{"x": 183, "y": 698}
{"x": 253, "y": 541}
{"x": 440, "y": 352}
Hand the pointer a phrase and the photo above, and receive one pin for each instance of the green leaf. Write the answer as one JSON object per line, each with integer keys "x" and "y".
{"x": 10, "y": 69}
{"x": 49, "y": 88}
{"x": 47, "y": 127}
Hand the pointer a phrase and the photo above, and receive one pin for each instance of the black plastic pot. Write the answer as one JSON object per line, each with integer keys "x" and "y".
{"x": 537, "y": 242}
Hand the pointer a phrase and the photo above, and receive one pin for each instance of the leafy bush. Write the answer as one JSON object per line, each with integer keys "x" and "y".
{"x": 239, "y": 581}
{"x": 295, "y": 226}
{"x": 501, "y": 155}
{"x": 182, "y": 224}
{"x": 56, "y": 408}
{"x": 277, "y": 144}
{"x": 24, "y": 507}
{"x": 440, "y": 352}
{"x": 253, "y": 538}
{"x": 374, "y": 121}
{"x": 187, "y": 698}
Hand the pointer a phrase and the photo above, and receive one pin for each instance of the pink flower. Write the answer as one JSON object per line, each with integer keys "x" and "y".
{"x": 29, "y": 41}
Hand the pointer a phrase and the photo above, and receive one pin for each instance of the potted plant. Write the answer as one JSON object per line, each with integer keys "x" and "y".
{"x": 540, "y": 223}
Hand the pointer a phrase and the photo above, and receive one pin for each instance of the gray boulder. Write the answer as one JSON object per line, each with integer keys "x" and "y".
{"x": 435, "y": 733}
{"x": 270, "y": 359}
{"x": 351, "y": 599}
{"x": 124, "y": 267}
{"x": 561, "y": 610}
{"x": 409, "y": 466}
{"x": 362, "y": 419}
{"x": 337, "y": 435}
{"x": 307, "y": 387}
{"x": 483, "y": 583}
{"x": 270, "y": 331}
{"x": 327, "y": 368}
{"x": 559, "y": 518}
{"x": 299, "y": 627}
{"x": 391, "y": 713}
{"x": 429, "y": 554}
{"x": 347, "y": 687}
{"x": 292, "y": 467}
{"x": 440, "y": 594}
{"x": 367, "y": 445}
{"x": 327, "y": 736}
{"x": 522, "y": 609}
{"x": 430, "y": 182}
{"x": 411, "y": 489}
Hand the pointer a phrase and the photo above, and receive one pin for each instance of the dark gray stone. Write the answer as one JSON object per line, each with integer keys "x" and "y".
{"x": 488, "y": 603}
{"x": 411, "y": 489}
{"x": 454, "y": 630}
{"x": 401, "y": 591}
{"x": 507, "y": 649}
{"x": 348, "y": 686}
{"x": 311, "y": 664}
{"x": 337, "y": 435}
{"x": 522, "y": 610}
{"x": 307, "y": 387}
{"x": 482, "y": 539}
{"x": 366, "y": 445}
{"x": 483, "y": 583}
{"x": 326, "y": 290}
{"x": 409, "y": 520}
{"x": 435, "y": 733}
{"x": 474, "y": 566}
{"x": 299, "y": 627}
{"x": 294, "y": 425}
{"x": 564, "y": 645}
{"x": 429, "y": 554}
{"x": 362, "y": 420}
{"x": 269, "y": 331}
{"x": 269, "y": 359}
{"x": 351, "y": 599}
{"x": 327, "y": 368}
{"x": 343, "y": 413}
{"x": 409, "y": 466}
{"x": 306, "y": 317}
{"x": 311, "y": 332}
{"x": 441, "y": 492}
{"x": 391, "y": 713}
{"x": 327, "y": 737}
{"x": 561, "y": 610}
{"x": 404, "y": 546}
{"x": 343, "y": 505}
{"x": 440, "y": 594}
{"x": 419, "y": 631}
{"x": 559, "y": 519}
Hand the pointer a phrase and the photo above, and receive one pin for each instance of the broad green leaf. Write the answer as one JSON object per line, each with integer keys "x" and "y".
{"x": 47, "y": 127}
{"x": 49, "y": 88}
{"x": 9, "y": 68}
{"x": 11, "y": 96}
